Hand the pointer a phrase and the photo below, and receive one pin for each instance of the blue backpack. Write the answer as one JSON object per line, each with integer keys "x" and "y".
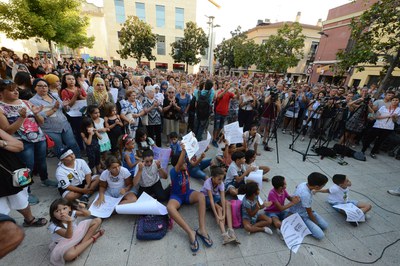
{"x": 152, "y": 227}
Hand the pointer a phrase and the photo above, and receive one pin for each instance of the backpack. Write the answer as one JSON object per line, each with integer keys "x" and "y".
{"x": 203, "y": 106}
{"x": 343, "y": 150}
{"x": 152, "y": 227}
{"x": 236, "y": 206}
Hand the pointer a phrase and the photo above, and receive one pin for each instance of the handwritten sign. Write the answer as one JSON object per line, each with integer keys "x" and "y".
{"x": 233, "y": 133}
{"x": 191, "y": 144}
{"x": 354, "y": 214}
{"x": 255, "y": 176}
{"x": 294, "y": 230}
{"x": 162, "y": 155}
{"x": 203, "y": 145}
{"x": 106, "y": 209}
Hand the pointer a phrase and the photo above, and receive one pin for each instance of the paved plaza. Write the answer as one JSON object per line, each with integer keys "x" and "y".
{"x": 119, "y": 245}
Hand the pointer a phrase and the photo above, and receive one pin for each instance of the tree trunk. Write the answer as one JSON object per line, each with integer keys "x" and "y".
{"x": 187, "y": 68}
{"x": 388, "y": 74}
{"x": 51, "y": 54}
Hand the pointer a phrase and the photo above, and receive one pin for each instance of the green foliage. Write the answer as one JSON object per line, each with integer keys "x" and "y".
{"x": 137, "y": 40}
{"x": 57, "y": 21}
{"x": 225, "y": 51}
{"x": 187, "y": 49}
{"x": 283, "y": 50}
{"x": 375, "y": 38}
{"x": 245, "y": 53}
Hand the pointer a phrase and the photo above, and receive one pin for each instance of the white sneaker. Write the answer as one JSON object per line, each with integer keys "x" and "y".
{"x": 226, "y": 238}
{"x": 279, "y": 234}
{"x": 268, "y": 230}
{"x": 394, "y": 192}
{"x": 367, "y": 216}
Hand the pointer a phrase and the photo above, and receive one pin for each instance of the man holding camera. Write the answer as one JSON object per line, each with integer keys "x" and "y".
{"x": 272, "y": 107}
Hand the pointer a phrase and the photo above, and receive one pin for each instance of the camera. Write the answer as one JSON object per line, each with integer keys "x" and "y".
{"x": 367, "y": 99}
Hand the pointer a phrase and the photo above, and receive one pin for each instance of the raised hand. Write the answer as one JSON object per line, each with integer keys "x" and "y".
{"x": 22, "y": 112}
{"x": 36, "y": 109}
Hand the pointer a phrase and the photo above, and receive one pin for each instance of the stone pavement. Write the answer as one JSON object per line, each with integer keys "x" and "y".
{"x": 119, "y": 245}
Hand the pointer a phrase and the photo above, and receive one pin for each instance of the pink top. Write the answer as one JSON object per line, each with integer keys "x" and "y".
{"x": 274, "y": 196}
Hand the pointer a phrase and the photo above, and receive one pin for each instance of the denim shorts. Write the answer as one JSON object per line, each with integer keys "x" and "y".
{"x": 217, "y": 199}
{"x": 182, "y": 198}
{"x": 219, "y": 121}
{"x": 280, "y": 215}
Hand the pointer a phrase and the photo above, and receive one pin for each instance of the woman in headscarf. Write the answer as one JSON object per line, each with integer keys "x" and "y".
{"x": 99, "y": 96}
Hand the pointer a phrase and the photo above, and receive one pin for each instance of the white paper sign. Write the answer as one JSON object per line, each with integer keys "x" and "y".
{"x": 74, "y": 111}
{"x": 203, "y": 145}
{"x": 145, "y": 205}
{"x": 294, "y": 230}
{"x": 260, "y": 201}
{"x": 162, "y": 155}
{"x": 255, "y": 176}
{"x": 354, "y": 214}
{"x": 114, "y": 93}
{"x": 191, "y": 144}
{"x": 233, "y": 133}
{"x": 106, "y": 209}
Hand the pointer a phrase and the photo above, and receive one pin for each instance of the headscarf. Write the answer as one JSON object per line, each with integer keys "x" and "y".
{"x": 99, "y": 96}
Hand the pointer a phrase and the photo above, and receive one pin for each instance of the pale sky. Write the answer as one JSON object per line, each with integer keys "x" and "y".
{"x": 246, "y": 13}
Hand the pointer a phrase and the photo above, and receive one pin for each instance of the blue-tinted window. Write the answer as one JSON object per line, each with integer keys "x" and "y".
{"x": 140, "y": 11}
{"x": 160, "y": 16}
{"x": 119, "y": 11}
{"x": 160, "y": 45}
{"x": 179, "y": 18}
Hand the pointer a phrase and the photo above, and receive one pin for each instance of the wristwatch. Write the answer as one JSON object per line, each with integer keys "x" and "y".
{"x": 4, "y": 143}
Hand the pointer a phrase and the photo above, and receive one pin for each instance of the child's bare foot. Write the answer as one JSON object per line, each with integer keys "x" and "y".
{"x": 99, "y": 234}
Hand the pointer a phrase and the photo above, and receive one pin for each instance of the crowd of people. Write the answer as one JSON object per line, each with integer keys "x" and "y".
{"x": 113, "y": 117}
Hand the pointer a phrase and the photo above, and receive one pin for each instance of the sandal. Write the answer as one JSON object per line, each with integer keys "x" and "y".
{"x": 39, "y": 222}
{"x": 206, "y": 239}
{"x": 100, "y": 234}
{"x": 194, "y": 246}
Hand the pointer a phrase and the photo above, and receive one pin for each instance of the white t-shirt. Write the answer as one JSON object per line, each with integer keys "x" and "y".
{"x": 149, "y": 175}
{"x": 53, "y": 228}
{"x": 250, "y": 140}
{"x": 386, "y": 123}
{"x": 338, "y": 194}
{"x": 115, "y": 182}
{"x": 72, "y": 176}
{"x": 233, "y": 171}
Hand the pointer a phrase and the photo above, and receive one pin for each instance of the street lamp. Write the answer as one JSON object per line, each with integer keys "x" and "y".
{"x": 211, "y": 27}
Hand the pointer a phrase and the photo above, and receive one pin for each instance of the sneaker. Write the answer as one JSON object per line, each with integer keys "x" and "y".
{"x": 84, "y": 199}
{"x": 232, "y": 234}
{"x": 268, "y": 230}
{"x": 279, "y": 234}
{"x": 367, "y": 216}
{"x": 302, "y": 138}
{"x": 283, "y": 131}
{"x": 49, "y": 183}
{"x": 227, "y": 238}
{"x": 215, "y": 143}
{"x": 394, "y": 192}
{"x": 268, "y": 148}
{"x": 32, "y": 199}
{"x": 372, "y": 155}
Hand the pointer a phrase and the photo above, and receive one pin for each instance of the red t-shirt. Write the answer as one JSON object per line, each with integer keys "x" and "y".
{"x": 67, "y": 95}
{"x": 222, "y": 104}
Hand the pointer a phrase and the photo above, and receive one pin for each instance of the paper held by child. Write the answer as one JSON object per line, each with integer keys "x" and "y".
{"x": 75, "y": 109}
{"x": 293, "y": 231}
{"x": 255, "y": 176}
{"x": 203, "y": 145}
{"x": 354, "y": 214}
{"x": 191, "y": 144}
{"x": 145, "y": 205}
{"x": 162, "y": 154}
{"x": 106, "y": 209}
{"x": 233, "y": 133}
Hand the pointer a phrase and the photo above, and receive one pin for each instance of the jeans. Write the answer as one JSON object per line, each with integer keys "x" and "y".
{"x": 157, "y": 191}
{"x": 316, "y": 229}
{"x": 219, "y": 121}
{"x": 197, "y": 171}
{"x": 199, "y": 127}
{"x": 35, "y": 153}
{"x": 154, "y": 132}
{"x": 76, "y": 128}
{"x": 65, "y": 137}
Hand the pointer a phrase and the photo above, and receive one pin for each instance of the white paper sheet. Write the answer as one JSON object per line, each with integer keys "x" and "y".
{"x": 255, "y": 176}
{"x": 114, "y": 93}
{"x": 233, "y": 133}
{"x": 260, "y": 201}
{"x": 354, "y": 214}
{"x": 191, "y": 144}
{"x": 106, "y": 209}
{"x": 203, "y": 145}
{"x": 145, "y": 205}
{"x": 162, "y": 154}
{"x": 74, "y": 110}
{"x": 294, "y": 230}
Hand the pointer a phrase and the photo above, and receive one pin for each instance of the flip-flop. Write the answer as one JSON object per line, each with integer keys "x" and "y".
{"x": 194, "y": 246}
{"x": 206, "y": 239}
{"x": 100, "y": 232}
{"x": 35, "y": 222}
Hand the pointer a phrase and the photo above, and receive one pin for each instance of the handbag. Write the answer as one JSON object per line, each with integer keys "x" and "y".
{"x": 145, "y": 120}
{"x": 21, "y": 177}
{"x": 50, "y": 142}
{"x": 152, "y": 227}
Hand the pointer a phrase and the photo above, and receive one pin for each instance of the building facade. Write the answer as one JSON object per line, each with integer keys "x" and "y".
{"x": 265, "y": 29}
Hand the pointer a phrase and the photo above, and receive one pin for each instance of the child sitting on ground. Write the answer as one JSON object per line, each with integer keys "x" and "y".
{"x": 236, "y": 173}
{"x": 174, "y": 143}
{"x": 214, "y": 191}
{"x": 252, "y": 220}
{"x": 277, "y": 195}
{"x": 70, "y": 239}
{"x": 250, "y": 157}
{"x": 127, "y": 153}
{"x": 315, "y": 223}
{"x": 143, "y": 142}
{"x": 182, "y": 194}
{"x": 339, "y": 194}
{"x": 251, "y": 139}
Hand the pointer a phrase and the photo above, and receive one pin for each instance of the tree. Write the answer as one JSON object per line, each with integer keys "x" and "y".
{"x": 137, "y": 40}
{"x": 225, "y": 51}
{"x": 283, "y": 50}
{"x": 193, "y": 43}
{"x": 374, "y": 39}
{"x": 245, "y": 53}
{"x": 58, "y": 21}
